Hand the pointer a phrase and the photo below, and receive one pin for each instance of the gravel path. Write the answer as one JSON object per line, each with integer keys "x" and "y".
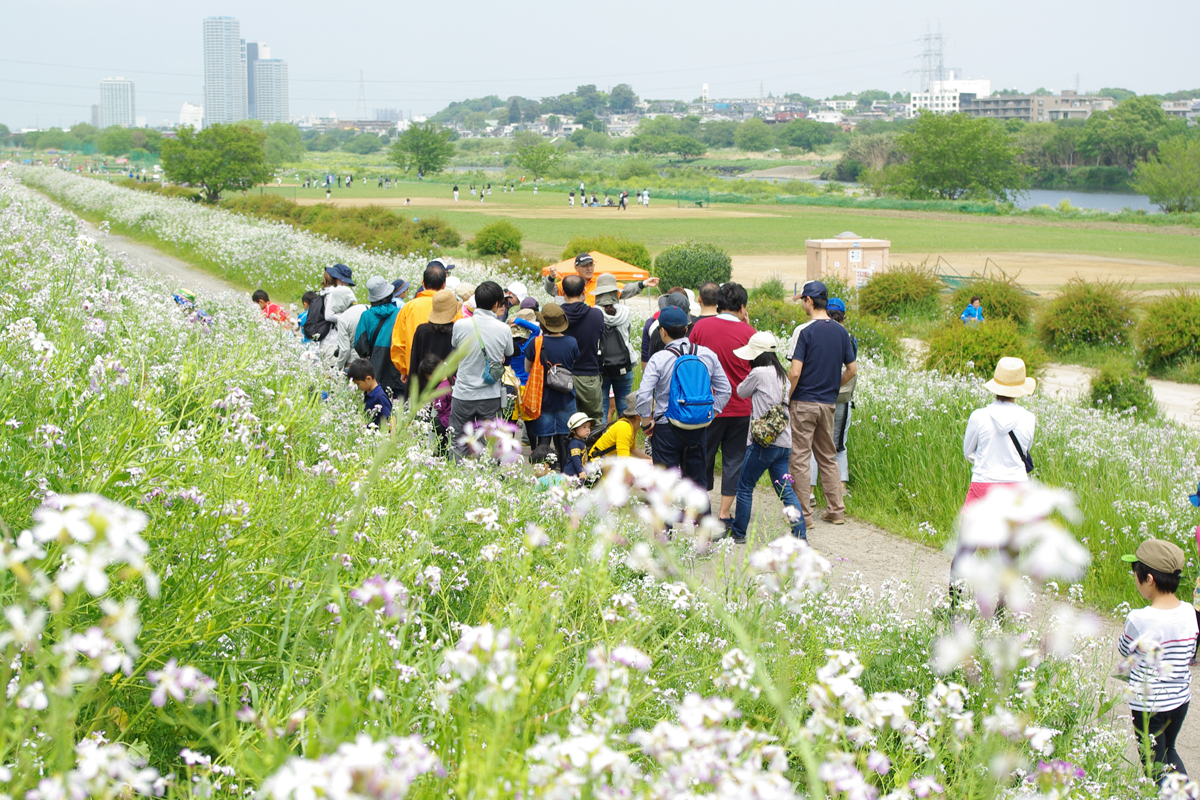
{"x": 147, "y": 260}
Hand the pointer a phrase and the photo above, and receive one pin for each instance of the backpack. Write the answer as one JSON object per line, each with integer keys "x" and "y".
{"x": 614, "y": 355}
{"x": 315, "y": 325}
{"x": 690, "y": 403}
{"x": 594, "y": 437}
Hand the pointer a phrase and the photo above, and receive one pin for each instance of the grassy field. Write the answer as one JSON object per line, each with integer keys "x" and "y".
{"x": 752, "y": 230}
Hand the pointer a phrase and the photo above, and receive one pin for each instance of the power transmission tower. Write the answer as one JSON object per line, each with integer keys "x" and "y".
{"x": 933, "y": 57}
{"x": 362, "y": 96}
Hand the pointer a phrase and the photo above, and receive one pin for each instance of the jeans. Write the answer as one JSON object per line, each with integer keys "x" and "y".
{"x": 621, "y": 387}
{"x": 774, "y": 461}
{"x": 680, "y": 448}
{"x": 1164, "y": 727}
{"x": 552, "y": 423}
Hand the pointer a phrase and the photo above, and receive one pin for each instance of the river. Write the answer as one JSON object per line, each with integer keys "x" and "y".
{"x": 1100, "y": 201}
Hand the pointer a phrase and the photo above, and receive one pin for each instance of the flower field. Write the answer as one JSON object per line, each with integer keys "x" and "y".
{"x": 217, "y": 583}
{"x": 245, "y": 250}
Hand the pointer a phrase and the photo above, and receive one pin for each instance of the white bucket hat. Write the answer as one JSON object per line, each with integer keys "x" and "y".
{"x": 577, "y": 419}
{"x": 761, "y": 342}
{"x": 1009, "y": 379}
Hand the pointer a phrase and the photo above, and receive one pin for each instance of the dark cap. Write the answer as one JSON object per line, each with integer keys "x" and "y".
{"x": 1158, "y": 555}
{"x": 583, "y": 259}
{"x": 672, "y": 317}
{"x": 530, "y": 302}
{"x": 340, "y": 272}
{"x": 399, "y": 286}
{"x": 676, "y": 299}
{"x": 814, "y": 289}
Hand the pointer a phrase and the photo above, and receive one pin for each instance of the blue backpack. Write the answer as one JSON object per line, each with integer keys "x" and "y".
{"x": 690, "y": 403}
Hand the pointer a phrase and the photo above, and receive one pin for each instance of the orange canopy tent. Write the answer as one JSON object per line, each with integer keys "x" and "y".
{"x": 614, "y": 266}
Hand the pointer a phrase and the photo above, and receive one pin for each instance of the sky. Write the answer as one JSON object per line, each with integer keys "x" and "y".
{"x": 418, "y": 57}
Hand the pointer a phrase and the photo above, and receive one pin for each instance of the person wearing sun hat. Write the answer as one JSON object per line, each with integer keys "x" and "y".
{"x": 1159, "y": 679}
{"x": 1000, "y": 434}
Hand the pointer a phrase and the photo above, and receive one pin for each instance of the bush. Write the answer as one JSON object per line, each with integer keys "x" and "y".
{"x": 876, "y": 338}
{"x": 974, "y": 349}
{"x": 692, "y": 263}
{"x": 909, "y": 291}
{"x": 1087, "y": 314}
{"x": 1117, "y": 387}
{"x": 497, "y": 239}
{"x": 770, "y": 289}
{"x": 1169, "y": 333}
{"x": 627, "y": 250}
{"x": 1001, "y": 298}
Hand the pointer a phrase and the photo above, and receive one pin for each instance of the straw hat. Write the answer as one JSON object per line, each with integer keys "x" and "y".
{"x": 445, "y": 307}
{"x": 761, "y": 342}
{"x": 464, "y": 291}
{"x": 577, "y": 419}
{"x": 553, "y": 318}
{"x": 1009, "y": 379}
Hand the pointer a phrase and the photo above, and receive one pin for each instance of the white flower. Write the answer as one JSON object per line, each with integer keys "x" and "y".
{"x": 949, "y": 652}
{"x": 83, "y": 566}
{"x": 22, "y": 628}
{"x": 34, "y": 697}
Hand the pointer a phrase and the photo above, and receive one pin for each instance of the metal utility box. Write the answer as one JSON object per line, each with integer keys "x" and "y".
{"x": 848, "y": 256}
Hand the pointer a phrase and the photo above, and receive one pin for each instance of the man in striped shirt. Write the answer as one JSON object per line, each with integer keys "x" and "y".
{"x": 1159, "y": 641}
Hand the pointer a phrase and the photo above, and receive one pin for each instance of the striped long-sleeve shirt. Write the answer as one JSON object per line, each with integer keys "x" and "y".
{"x": 1162, "y": 641}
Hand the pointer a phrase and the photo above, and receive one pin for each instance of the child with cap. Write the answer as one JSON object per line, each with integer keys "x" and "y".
{"x": 580, "y": 426}
{"x": 375, "y": 399}
{"x": 1159, "y": 639}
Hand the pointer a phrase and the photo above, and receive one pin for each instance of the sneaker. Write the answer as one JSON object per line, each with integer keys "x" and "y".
{"x": 812, "y": 496}
{"x": 833, "y": 520}
{"x": 727, "y": 522}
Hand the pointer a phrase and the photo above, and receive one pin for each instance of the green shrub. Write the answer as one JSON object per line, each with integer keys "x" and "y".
{"x": 776, "y": 316}
{"x": 692, "y": 263}
{"x": 1117, "y": 387}
{"x": 909, "y": 291}
{"x": 876, "y": 338}
{"x": 1187, "y": 370}
{"x": 1001, "y": 298}
{"x": 974, "y": 349}
{"x": 500, "y": 238}
{"x": 1170, "y": 330}
{"x": 627, "y": 250}
{"x": 770, "y": 289}
{"x": 1087, "y": 314}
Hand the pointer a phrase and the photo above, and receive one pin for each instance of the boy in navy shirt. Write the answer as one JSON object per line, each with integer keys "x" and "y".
{"x": 581, "y": 427}
{"x": 375, "y": 399}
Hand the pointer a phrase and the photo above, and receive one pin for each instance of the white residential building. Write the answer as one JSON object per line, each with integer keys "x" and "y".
{"x": 191, "y": 115}
{"x": 224, "y": 71}
{"x": 948, "y": 96}
{"x": 116, "y": 103}
{"x": 271, "y": 88}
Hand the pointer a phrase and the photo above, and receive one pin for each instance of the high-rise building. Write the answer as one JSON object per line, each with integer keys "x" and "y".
{"x": 271, "y": 80}
{"x": 387, "y": 115}
{"x": 224, "y": 71}
{"x": 949, "y": 96}
{"x": 254, "y": 52}
{"x": 116, "y": 103}
{"x": 191, "y": 115}
{"x": 95, "y": 115}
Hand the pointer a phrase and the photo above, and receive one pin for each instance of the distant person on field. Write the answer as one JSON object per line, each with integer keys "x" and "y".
{"x": 973, "y": 313}
{"x": 270, "y": 310}
{"x": 571, "y": 199}
{"x": 1159, "y": 639}
{"x": 378, "y": 404}
{"x": 479, "y": 392}
{"x": 841, "y": 411}
{"x": 456, "y": 192}
{"x": 816, "y": 376}
{"x": 585, "y": 267}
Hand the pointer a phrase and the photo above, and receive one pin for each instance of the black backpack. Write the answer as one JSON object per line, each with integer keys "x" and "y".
{"x": 614, "y": 355}
{"x": 594, "y": 437}
{"x": 315, "y": 325}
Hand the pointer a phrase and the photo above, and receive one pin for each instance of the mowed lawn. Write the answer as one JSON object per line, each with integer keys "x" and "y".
{"x": 547, "y": 224}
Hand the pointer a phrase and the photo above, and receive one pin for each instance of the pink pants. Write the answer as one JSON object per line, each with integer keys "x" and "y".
{"x": 978, "y": 491}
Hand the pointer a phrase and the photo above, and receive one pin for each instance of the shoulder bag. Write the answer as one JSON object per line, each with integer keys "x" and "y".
{"x": 492, "y": 372}
{"x": 767, "y": 428}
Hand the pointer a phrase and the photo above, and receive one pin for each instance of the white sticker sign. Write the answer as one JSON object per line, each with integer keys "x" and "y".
{"x": 856, "y": 256}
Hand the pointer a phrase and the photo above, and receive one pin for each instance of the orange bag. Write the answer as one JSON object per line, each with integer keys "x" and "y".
{"x": 531, "y": 397}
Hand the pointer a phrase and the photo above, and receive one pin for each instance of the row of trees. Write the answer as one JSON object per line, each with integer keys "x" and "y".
{"x": 85, "y": 138}
{"x": 583, "y": 105}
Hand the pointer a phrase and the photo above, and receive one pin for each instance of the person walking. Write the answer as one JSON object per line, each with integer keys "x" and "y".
{"x": 816, "y": 376}
{"x": 616, "y": 351}
{"x": 478, "y": 392}
{"x": 842, "y": 411}
{"x": 335, "y": 297}
{"x": 725, "y": 333}
{"x": 347, "y": 324}
{"x": 373, "y": 341}
{"x": 434, "y": 337}
{"x": 683, "y": 388}
{"x": 585, "y": 267}
{"x": 769, "y": 437}
{"x": 586, "y": 325}
{"x": 999, "y": 435}
{"x": 571, "y": 199}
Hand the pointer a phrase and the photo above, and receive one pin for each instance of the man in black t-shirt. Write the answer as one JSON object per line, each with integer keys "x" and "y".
{"x": 816, "y": 376}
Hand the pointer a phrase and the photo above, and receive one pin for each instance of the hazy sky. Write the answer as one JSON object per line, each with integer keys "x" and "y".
{"x": 419, "y": 56}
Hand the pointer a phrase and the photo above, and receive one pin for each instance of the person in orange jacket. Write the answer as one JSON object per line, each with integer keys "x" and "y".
{"x": 416, "y": 312}
{"x": 585, "y": 267}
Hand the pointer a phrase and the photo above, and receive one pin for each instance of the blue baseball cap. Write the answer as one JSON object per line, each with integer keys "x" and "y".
{"x": 814, "y": 289}
{"x": 836, "y": 304}
{"x": 672, "y": 317}
{"x": 341, "y": 272}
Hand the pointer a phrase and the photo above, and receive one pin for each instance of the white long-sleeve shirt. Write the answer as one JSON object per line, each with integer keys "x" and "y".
{"x": 988, "y": 447}
{"x": 346, "y": 325}
{"x": 655, "y": 389}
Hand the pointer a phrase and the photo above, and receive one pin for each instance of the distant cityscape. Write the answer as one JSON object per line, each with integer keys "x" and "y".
{"x": 243, "y": 82}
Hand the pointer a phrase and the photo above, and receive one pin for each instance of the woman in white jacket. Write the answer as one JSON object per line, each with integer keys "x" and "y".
{"x": 615, "y": 379}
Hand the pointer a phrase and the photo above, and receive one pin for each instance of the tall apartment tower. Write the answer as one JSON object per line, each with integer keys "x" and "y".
{"x": 116, "y": 103}
{"x": 224, "y": 71}
{"x": 271, "y": 80}
{"x": 254, "y": 52}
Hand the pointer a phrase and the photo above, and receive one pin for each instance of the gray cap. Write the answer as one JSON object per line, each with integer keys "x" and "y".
{"x": 379, "y": 288}
{"x": 677, "y": 299}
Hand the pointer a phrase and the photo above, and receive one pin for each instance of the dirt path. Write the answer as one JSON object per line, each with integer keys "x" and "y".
{"x": 149, "y": 261}
{"x": 1177, "y": 401}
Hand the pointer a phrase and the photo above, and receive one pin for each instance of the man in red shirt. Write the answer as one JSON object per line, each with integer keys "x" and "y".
{"x": 730, "y": 431}
{"x": 271, "y": 310}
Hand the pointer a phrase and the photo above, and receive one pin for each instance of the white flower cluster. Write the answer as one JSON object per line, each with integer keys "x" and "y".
{"x": 790, "y": 569}
{"x": 364, "y": 768}
{"x": 485, "y": 653}
{"x": 102, "y": 769}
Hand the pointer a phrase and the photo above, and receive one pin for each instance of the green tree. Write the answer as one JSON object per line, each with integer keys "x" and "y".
{"x": 4, "y": 134}
{"x": 553, "y": 122}
{"x": 622, "y": 99}
{"x": 1120, "y": 95}
{"x": 283, "y": 143}
{"x": 322, "y": 144}
{"x": 364, "y": 144}
{"x": 219, "y": 158}
{"x": 718, "y": 133}
{"x": 514, "y": 111}
{"x": 1171, "y": 178}
{"x": 1128, "y": 134}
{"x": 424, "y": 148}
{"x": 806, "y": 134}
{"x": 754, "y": 136}
{"x": 951, "y": 156}
{"x": 873, "y": 151}
{"x": 535, "y": 155}
{"x": 115, "y": 140}
{"x": 685, "y": 146}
